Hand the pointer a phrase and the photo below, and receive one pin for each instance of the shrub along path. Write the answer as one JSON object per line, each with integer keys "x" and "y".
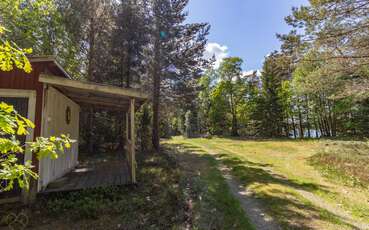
{"x": 278, "y": 174}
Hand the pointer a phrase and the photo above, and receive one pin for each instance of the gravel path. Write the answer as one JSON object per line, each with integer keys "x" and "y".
{"x": 250, "y": 205}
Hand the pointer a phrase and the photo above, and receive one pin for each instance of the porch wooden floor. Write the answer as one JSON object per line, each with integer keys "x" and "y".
{"x": 86, "y": 176}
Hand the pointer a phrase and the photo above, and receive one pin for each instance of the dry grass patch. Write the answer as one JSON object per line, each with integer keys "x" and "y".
{"x": 345, "y": 161}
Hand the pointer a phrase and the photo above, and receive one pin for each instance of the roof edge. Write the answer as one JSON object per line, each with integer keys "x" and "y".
{"x": 50, "y": 58}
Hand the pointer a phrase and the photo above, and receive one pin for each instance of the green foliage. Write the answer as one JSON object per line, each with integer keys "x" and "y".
{"x": 222, "y": 97}
{"x": 337, "y": 28}
{"x": 271, "y": 103}
{"x": 51, "y": 146}
{"x": 11, "y": 122}
{"x": 35, "y": 24}
{"x": 310, "y": 77}
{"x": 328, "y": 65}
{"x": 204, "y": 100}
{"x": 218, "y": 111}
{"x": 11, "y": 55}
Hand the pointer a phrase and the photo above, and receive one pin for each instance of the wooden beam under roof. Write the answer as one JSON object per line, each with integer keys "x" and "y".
{"x": 92, "y": 97}
{"x": 105, "y": 91}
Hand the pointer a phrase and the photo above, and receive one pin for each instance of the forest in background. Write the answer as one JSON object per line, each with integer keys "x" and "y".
{"x": 316, "y": 84}
{"x": 131, "y": 43}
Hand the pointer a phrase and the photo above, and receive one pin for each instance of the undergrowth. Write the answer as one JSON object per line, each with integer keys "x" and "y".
{"x": 346, "y": 162}
{"x": 156, "y": 202}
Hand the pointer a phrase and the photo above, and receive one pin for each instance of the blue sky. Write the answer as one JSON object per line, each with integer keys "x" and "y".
{"x": 244, "y": 28}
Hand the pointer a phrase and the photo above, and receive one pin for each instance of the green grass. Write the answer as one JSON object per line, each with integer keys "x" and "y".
{"x": 276, "y": 170}
{"x": 214, "y": 205}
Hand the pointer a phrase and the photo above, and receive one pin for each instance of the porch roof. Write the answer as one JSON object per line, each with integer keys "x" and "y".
{"x": 98, "y": 95}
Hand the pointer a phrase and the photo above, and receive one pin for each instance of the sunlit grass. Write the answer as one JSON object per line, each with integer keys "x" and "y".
{"x": 276, "y": 169}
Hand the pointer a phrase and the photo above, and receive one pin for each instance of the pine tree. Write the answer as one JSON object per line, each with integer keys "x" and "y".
{"x": 129, "y": 41}
{"x": 175, "y": 54}
{"x": 271, "y": 103}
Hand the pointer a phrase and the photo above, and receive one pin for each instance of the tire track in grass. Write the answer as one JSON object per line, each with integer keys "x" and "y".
{"x": 311, "y": 197}
{"x": 253, "y": 209}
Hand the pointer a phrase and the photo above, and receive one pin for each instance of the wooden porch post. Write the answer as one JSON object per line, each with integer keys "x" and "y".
{"x": 127, "y": 142}
{"x": 127, "y": 125}
{"x": 133, "y": 139}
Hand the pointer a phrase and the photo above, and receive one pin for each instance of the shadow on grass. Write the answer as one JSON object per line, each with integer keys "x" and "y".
{"x": 261, "y": 139}
{"x": 285, "y": 139}
{"x": 291, "y": 211}
{"x": 250, "y": 172}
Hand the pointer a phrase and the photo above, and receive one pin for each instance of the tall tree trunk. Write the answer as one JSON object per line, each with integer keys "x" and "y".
{"x": 294, "y": 126}
{"x": 353, "y": 130}
{"x": 155, "y": 118}
{"x": 234, "y": 131}
{"x": 321, "y": 127}
{"x": 332, "y": 118}
{"x": 324, "y": 117}
{"x": 234, "y": 125}
{"x": 287, "y": 128}
{"x": 128, "y": 68}
{"x": 90, "y": 77}
{"x": 156, "y": 97}
{"x": 307, "y": 117}
{"x": 317, "y": 121}
{"x": 316, "y": 127}
{"x": 327, "y": 124}
{"x": 300, "y": 122}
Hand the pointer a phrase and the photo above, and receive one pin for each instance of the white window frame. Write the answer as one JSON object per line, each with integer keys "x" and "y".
{"x": 31, "y": 95}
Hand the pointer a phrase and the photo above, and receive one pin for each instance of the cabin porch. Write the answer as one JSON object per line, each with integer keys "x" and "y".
{"x": 93, "y": 172}
{"x": 108, "y": 170}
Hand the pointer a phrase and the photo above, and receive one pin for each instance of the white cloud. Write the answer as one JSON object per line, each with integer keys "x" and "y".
{"x": 216, "y": 50}
{"x": 250, "y": 72}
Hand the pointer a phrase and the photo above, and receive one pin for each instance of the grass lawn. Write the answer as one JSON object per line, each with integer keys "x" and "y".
{"x": 285, "y": 176}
